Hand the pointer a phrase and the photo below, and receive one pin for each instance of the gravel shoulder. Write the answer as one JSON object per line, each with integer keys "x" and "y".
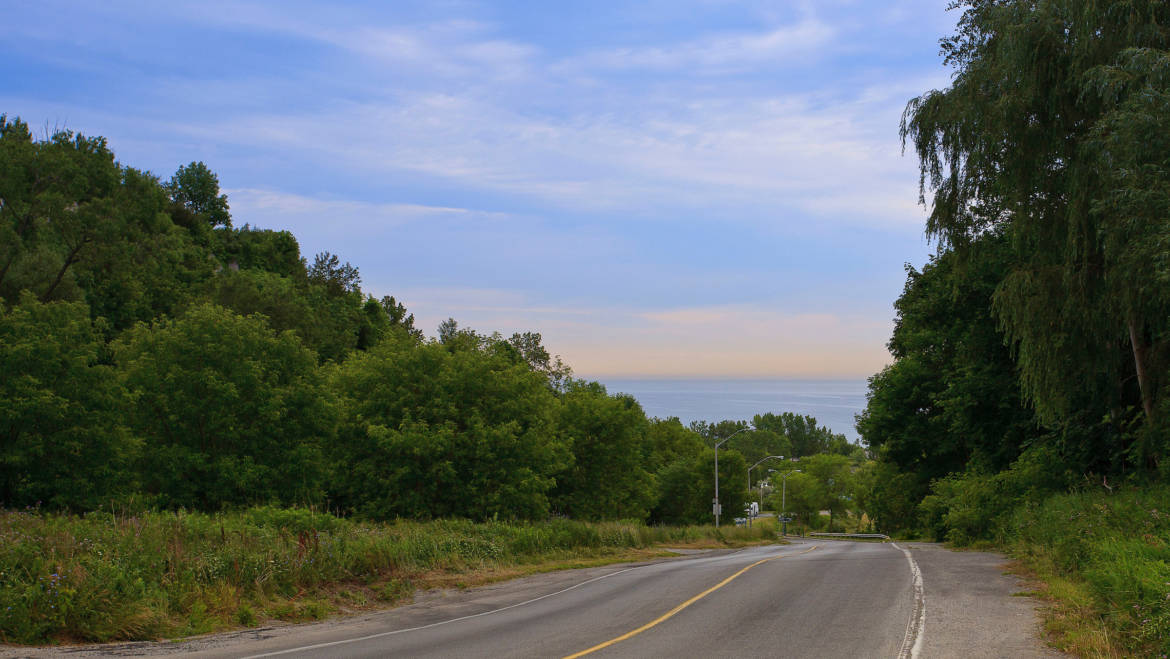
{"x": 972, "y": 609}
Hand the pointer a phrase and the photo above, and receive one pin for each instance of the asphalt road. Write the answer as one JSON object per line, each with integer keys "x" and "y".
{"x": 808, "y": 599}
{"x": 827, "y": 599}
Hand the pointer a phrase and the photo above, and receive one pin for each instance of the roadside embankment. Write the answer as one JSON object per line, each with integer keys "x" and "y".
{"x": 1103, "y": 560}
{"x": 103, "y": 576}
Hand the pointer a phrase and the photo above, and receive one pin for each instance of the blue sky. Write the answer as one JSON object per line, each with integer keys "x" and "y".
{"x": 683, "y": 188}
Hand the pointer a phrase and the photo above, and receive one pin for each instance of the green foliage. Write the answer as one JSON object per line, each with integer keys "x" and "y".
{"x": 430, "y": 432}
{"x": 608, "y": 477}
{"x": 952, "y": 396}
{"x": 64, "y": 443}
{"x": 1114, "y": 542}
{"x": 230, "y": 412}
{"x": 970, "y": 507}
{"x": 890, "y": 497}
{"x": 1051, "y": 135}
{"x": 687, "y": 487}
{"x": 668, "y": 442}
{"x": 277, "y": 252}
{"x": 106, "y": 576}
{"x": 801, "y": 434}
{"x": 802, "y": 495}
{"x": 196, "y": 189}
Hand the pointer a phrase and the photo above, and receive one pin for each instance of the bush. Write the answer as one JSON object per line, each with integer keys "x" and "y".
{"x": 1119, "y": 545}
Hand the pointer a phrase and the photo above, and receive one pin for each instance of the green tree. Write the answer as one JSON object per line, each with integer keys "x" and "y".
{"x": 1049, "y": 134}
{"x": 687, "y": 487}
{"x": 668, "y": 441}
{"x": 609, "y": 476}
{"x": 231, "y": 412}
{"x": 803, "y": 434}
{"x": 62, "y": 439}
{"x": 952, "y": 395}
{"x": 834, "y": 476}
{"x": 432, "y": 432}
{"x": 803, "y": 496}
{"x": 195, "y": 188}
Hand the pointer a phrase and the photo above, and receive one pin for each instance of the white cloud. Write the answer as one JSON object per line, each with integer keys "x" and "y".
{"x": 714, "y": 54}
{"x": 259, "y": 206}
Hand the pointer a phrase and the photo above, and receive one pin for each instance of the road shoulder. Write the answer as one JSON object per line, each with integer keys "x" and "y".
{"x": 974, "y": 608}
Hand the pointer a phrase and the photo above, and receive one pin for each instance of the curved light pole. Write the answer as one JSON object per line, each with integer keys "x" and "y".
{"x": 721, "y": 442}
{"x": 770, "y": 457}
{"x": 784, "y": 497}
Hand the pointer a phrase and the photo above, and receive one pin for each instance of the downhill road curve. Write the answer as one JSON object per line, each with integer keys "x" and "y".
{"x": 807, "y": 599}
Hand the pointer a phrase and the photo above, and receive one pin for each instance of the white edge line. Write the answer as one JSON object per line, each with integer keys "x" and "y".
{"x": 445, "y": 622}
{"x": 915, "y": 627}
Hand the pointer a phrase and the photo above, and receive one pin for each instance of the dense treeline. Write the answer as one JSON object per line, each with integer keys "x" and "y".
{"x": 153, "y": 351}
{"x": 1039, "y": 336}
{"x": 1031, "y": 353}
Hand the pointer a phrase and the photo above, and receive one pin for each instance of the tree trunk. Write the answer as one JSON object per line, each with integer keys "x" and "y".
{"x": 1139, "y": 360}
{"x": 69, "y": 260}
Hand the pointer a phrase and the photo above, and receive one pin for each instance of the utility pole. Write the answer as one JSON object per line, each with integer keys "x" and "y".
{"x": 749, "y": 483}
{"x": 715, "y": 508}
{"x": 784, "y": 498}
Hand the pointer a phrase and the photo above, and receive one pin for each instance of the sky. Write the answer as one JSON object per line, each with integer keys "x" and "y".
{"x": 682, "y": 188}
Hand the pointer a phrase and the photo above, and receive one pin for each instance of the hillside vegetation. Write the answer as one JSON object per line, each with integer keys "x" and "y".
{"x": 1027, "y": 404}
{"x": 148, "y": 575}
{"x": 211, "y": 379}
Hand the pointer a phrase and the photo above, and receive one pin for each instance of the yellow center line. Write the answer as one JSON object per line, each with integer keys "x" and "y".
{"x": 669, "y": 614}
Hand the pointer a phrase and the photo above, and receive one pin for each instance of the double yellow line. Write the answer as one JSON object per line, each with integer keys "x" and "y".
{"x": 669, "y": 614}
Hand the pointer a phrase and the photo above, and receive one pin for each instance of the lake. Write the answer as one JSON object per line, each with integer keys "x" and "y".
{"x": 832, "y": 402}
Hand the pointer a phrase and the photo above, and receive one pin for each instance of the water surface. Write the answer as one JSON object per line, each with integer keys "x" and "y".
{"x": 832, "y": 402}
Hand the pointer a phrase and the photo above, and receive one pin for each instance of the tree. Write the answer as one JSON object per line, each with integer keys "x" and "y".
{"x": 431, "y": 432}
{"x": 338, "y": 279}
{"x": 802, "y": 495}
{"x": 230, "y": 412}
{"x": 952, "y": 397}
{"x": 1049, "y": 135}
{"x": 74, "y": 225}
{"x": 533, "y": 352}
{"x": 804, "y": 436}
{"x": 396, "y": 313}
{"x": 835, "y": 482}
{"x": 668, "y": 441}
{"x": 195, "y": 188}
{"x": 63, "y": 442}
{"x": 608, "y": 477}
{"x": 687, "y": 487}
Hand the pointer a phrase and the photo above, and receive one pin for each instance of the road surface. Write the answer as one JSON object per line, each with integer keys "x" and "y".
{"x": 807, "y": 599}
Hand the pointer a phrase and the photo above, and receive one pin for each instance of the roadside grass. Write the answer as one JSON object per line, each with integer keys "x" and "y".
{"x": 150, "y": 575}
{"x": 1103, "y": 564}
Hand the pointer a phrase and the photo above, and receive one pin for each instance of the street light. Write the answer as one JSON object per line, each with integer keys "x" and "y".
{"x": 761, "y": 483}
{"x": 784, "y": 497}
{"x": 715, "y": 508}
{"x": 770, "y": 457}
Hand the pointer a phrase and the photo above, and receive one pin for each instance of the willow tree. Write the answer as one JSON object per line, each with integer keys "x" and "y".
{"x": 1053, "y": 132}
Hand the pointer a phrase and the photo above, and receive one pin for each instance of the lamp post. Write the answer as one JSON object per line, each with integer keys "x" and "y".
{"x": 784, "y": 497}
{"x": 721, "y": 442}
{"x": 749, "y": 489}
{"x": 761, "y": 483}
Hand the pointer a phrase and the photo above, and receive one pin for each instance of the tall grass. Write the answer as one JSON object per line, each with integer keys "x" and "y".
{"x": 148, "y": 575}
{"x": 1113, "y": 551}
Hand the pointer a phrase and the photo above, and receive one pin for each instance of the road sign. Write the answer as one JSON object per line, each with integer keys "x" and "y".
{"x": 783, "y": 519}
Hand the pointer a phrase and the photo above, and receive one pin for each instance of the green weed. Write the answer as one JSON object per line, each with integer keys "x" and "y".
{"x": 147, "y": 574}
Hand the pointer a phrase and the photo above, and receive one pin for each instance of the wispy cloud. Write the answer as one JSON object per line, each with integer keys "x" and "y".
{"x": 713, "y": 54}
{"x": 614, "y": 179}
